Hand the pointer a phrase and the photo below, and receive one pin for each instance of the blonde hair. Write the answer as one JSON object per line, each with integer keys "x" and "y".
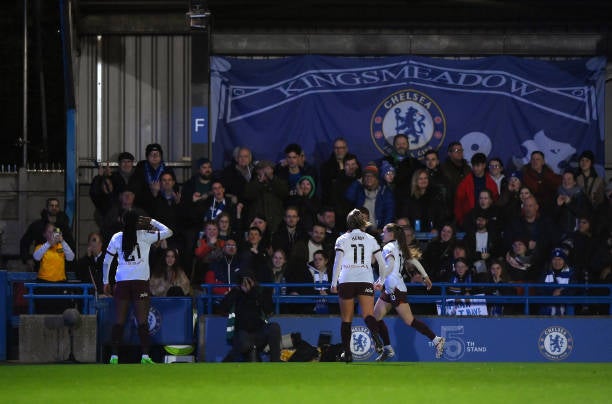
{"x": 414, "y": 183}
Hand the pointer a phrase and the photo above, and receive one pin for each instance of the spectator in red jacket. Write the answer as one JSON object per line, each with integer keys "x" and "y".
{"x": 469, "y": 188}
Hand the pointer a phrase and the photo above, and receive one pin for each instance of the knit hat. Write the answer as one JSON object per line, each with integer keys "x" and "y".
{"x": 517, "y": 174}
{"x": 371, "y": 169}
{"x": 312, "y": 184}
{"x": 560, "y": 253}
{"x": 125, "y": 156}
{"x": 587, "y": 154}
{"x": 386, "y": 167}
{"x": 154, "y": 147}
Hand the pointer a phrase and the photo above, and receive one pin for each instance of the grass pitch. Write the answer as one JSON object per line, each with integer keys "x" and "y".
{"x": 395, "y": 382}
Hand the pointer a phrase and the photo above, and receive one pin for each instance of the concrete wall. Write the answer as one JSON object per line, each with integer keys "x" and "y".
{"x": 45, "y": 339}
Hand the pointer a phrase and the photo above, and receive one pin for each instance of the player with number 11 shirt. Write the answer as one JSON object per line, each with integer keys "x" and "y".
{"x": 353, "y": 278}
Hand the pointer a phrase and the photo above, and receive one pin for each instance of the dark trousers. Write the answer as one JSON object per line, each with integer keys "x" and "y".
{"x": 248, "y": 345}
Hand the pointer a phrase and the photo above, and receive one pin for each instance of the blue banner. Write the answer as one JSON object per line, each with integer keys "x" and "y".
{"x": 490, "y": 339}
{"x": 502, "y": 106}
{"x": 170, "y": 322}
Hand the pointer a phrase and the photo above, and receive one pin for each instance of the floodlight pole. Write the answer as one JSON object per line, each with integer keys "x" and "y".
{"x": 24, "y": 136}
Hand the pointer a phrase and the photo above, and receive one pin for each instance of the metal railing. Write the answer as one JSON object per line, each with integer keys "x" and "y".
{"x": 530, "y": 294}
{"x": 84, "y": 294}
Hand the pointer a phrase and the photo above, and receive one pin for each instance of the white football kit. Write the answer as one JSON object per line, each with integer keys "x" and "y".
{"x": 358, "y": 247}
{"x": 136, "y": 266}
{"x": 395, "y": 279}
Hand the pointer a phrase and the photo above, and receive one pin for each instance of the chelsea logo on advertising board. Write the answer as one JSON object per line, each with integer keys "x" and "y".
{"x": 362, "y": 345}
{"x": 154, "y": 319}
{"x": 411, "y": 113}
{"x": 556, "y": 343}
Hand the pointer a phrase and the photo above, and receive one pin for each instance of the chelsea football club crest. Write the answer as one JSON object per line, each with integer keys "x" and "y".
{"x": 556, "y": 343}
{"x": 154, "y": 319}
{"x": 362, "y": 345}
{"x": 411, "y": 113}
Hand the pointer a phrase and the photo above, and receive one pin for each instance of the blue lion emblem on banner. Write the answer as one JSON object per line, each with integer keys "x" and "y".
{"x": 412, "y": 113}
{"x": 362, "y": 345}
{"x": 411, "y": 124}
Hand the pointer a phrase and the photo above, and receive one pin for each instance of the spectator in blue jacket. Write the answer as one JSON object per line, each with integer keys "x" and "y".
{"x": 369, "y": 193}
{"x": 559, "y": 273}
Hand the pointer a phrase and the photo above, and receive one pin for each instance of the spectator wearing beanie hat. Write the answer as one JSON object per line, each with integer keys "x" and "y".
{"x": 559, "y": 273}
{"x": 306, "y": 201}
{"x": 107, "y": 185}
{"x": 387, "y": 174}
{"x": 592, "y": 185}
{"x": 378, "y": 199}
{"x": 147, "y": 176}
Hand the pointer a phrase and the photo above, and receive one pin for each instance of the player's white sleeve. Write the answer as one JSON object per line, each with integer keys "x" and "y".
{"x": 419, "y": 267}
{"x": 383, "y": 268}
{"x": 164, "y": 231}
{"x": 108, "y": 259}
{"x": 336, "y": 271}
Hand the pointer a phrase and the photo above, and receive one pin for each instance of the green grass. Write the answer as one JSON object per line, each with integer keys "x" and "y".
{"x": 393, "y": 382}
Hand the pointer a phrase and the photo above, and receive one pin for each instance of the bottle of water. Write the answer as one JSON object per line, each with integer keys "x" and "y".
{"x": 283, "y": 289}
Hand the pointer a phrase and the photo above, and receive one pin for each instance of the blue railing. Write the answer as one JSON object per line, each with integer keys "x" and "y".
{"x": 84, "y": 294}
{"x": 206, "y": 300}
{"x": 527, "y": 297}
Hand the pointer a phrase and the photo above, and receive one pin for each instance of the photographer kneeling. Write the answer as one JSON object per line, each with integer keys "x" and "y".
{"x": 249, "y": 330}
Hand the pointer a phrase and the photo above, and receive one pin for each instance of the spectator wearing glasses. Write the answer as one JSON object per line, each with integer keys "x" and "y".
{"x": 496, "y": 172}
{"x": 455, "y": 168}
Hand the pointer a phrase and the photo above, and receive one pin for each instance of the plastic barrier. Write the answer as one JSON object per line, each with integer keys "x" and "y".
{"x": 528, "y": 296}
{"x": 204, "y": 302}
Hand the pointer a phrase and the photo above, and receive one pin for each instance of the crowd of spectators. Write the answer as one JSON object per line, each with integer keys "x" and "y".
{"x": 278, "y": 221}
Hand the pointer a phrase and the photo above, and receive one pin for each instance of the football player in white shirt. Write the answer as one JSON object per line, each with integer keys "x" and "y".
{"x": 131, "y": 248}
{"x": 353, "y": 278}
{"x": 396, "y": 253}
